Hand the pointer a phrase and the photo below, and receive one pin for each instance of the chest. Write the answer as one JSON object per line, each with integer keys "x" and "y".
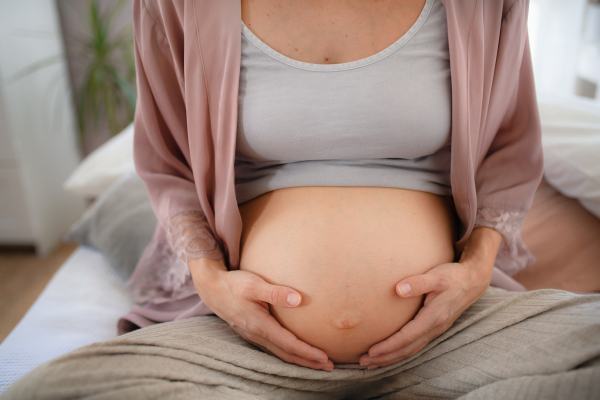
{"x": 330, "y": 32}
{"x": 395, "y": 104}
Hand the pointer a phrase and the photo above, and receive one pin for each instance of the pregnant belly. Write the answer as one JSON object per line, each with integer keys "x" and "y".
{"x": 344, "y": 249}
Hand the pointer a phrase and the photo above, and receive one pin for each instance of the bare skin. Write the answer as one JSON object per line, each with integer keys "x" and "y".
{"x": 344, "y": 249}
{"x": 342, "y": 253}
{"x": 330, "y": 32}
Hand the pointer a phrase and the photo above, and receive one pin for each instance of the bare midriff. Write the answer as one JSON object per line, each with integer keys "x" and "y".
{"x": 344, "y": 249}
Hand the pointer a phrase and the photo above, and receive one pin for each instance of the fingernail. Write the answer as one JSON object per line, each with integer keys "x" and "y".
{"x": 293, "y": 299}
{"x": 366, "y": 363}
{"x": 322, "y": 360}
{"x": 373, "y": 366}
{"x": 374, "y": 355}
{"x": 404, "y": 289}
{"x": 328, "y": 369}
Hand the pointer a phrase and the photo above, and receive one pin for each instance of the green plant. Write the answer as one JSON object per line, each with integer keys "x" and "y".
{"x": 108, "y": 88}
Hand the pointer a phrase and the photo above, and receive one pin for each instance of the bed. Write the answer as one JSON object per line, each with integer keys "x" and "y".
{"x": 80, "y": 305}
{"x": 83, "y": 301}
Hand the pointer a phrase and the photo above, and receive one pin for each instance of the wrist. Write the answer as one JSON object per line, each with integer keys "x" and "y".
{"x": 482, "y": 246}
{"x": 206, "y": 271}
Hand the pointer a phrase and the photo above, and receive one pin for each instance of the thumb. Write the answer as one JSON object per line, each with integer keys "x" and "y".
{"x": 280, "y": 296}
{"x": 417, "y": 285}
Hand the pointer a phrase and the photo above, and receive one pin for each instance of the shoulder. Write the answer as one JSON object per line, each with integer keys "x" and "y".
{"x": 499, "y": 8}
{"x": 165, "y": 15}
{"x": 174, "y": 17}
{"x": 515, "y": 6}
{"x": 464, "y": 11}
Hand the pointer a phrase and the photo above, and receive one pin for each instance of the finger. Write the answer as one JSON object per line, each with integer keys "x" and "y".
{"x": 280, "y": 296}
{"x": 268, "y": 328}
{"x": 418, "y": 327}
{"x": 277, "y": 352}
{"x": 403, "y": 353}
{"x": 270, "y": 348}
{"x": 410, "y": 348}
{"x": 263, "y": 348}
{"x": 420, "y": 284}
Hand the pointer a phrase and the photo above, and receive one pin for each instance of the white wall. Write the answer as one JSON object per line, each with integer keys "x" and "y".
{"x": 39, "y": 121}
{"x": 561, "y": 48}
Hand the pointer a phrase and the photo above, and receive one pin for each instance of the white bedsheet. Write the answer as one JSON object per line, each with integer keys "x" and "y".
{"x": 80, "y": 305}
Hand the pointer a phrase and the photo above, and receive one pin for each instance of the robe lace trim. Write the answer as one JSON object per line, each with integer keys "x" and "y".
{"x": 191, "y": 237}
{"x": 513, "y": 254}
{"x": 162, "y": 273}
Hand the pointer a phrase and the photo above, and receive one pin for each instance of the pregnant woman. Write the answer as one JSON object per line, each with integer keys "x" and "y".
{"x": 339, "y": 182}
{"x": 336, "y": 180}
{"x": 343, "y": 162}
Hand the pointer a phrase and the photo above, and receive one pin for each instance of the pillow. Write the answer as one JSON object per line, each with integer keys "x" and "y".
{"x": 572, "y": 165}
{"x": 571, "y": 143}
{"x": 564, "y": 238}
{"x": 120, "y": 223}
{"x": 103, "y": 166}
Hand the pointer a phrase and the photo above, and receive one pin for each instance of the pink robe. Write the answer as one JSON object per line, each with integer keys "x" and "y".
{"x": 188, "y": 63}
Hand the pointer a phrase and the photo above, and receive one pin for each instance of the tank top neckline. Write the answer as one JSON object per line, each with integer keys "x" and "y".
{"x": 342, "y": 66}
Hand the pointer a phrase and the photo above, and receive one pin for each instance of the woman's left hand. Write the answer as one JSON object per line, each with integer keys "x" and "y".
{"x": 450, "y": 289}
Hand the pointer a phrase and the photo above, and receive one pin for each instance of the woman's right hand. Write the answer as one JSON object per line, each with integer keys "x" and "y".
{"x": 242, "y": 299}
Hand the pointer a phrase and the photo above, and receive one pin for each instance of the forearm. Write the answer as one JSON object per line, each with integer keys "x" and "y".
{"x": 482, "y": 247}
{"x": 206, "y": 271}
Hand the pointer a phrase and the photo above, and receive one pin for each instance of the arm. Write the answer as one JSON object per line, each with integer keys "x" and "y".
{"x": 450, "y": 288}
{"x": 162, "y": 160}
{"x": 161, "y": 147}
{"x": 506, "y": 180}
{"x": 513, "y": 165}
{"x": 482, "y": 248}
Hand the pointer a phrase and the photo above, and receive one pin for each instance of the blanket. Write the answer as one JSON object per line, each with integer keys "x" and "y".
{"x": 542, "y": 344}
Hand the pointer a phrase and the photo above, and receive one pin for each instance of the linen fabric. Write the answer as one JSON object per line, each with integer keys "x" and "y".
{"x": 543, "y": 344}
{"x": 383, "y": 121}
{"x": 188, "y": 56}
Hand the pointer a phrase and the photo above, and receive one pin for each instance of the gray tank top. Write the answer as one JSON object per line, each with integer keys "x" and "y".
{"x": 382, "y": 121}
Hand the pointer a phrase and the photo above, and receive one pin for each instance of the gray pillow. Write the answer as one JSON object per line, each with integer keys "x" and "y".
{"x": 120, "y": 223}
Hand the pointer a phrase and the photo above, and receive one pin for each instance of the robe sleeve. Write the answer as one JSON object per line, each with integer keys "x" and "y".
{"x": 161, "y": 145}
{"x": 512, "y": 169}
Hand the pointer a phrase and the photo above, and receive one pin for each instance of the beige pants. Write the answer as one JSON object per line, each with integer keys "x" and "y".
{"x": 543, "y": 344}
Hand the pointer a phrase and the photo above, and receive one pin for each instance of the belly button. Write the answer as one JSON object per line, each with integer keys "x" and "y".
{"x": 346, "y": 321}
